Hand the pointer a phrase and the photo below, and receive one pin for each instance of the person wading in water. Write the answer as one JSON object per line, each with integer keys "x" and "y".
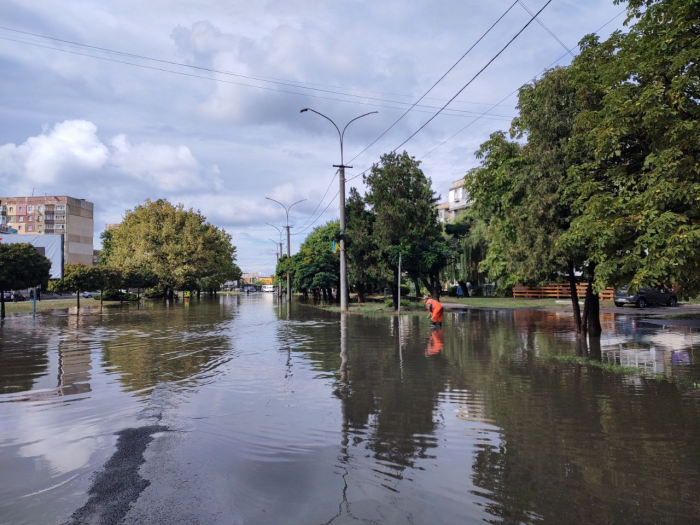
{"x": 436, "y": 310}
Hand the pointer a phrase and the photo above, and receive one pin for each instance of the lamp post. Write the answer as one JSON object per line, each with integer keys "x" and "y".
{"x": 341, "y": 178}
{"x": 289, "y": 250}
{"x": 279, "y": 284}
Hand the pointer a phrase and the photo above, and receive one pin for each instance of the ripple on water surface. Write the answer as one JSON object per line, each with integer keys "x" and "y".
{"x": 306, "y": 417}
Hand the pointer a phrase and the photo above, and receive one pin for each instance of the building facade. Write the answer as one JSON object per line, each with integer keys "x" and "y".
{"x": 53, "y": 215}
{"x": 457, "y": 201}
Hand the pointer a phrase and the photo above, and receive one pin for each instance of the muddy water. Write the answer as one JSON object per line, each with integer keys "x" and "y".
{"x": 235, "y": 410}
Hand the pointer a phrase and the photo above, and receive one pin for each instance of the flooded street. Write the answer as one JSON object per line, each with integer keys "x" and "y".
{"x": 235, "y": 410}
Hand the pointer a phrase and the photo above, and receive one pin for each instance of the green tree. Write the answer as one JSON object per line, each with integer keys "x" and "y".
{"x": 21, "y": 266}
{"x": 364, "y": 270}
{"x": 78, "y": 278}
{"x": 175, "y": 244}
{"x": 638, "y": 198}
{"x": 107, "y": 243}
{"x": 316, "y": 267}
{"x": 405, "y": 220}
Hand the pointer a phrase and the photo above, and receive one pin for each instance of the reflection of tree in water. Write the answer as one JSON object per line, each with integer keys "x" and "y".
{"x": 577, "y": 445}
{"x": 171, "y": 346}
{"x": 23, "y": 358}
{"x": 390, "y": 395}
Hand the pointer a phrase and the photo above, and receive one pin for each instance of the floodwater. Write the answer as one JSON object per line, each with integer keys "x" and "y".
{"x": 252, "y": 414}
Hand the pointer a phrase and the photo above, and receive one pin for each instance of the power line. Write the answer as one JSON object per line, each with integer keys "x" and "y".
{"x": 555, "y": 37}
{"x": 495, "y": 105}
{"x": 516, "y": 90}
{"x": 320, "y": 202}
{"x": 459, "y": 112}
{"x": 421, "y": 98}
{"x": 320, "y": 214}
{"x": 436, "y": 82}
{"x": 255, "y": 77}
{"x": 475, "y": 76}
{"x": 286, "y": 83}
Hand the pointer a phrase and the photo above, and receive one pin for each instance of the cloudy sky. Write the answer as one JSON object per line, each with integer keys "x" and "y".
{"x": 113, "y": 127}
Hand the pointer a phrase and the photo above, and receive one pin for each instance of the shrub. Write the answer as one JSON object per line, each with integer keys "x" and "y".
{"x": 389, "y": 303}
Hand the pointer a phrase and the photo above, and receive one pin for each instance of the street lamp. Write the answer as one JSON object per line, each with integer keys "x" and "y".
{"x": 289, "y": 250}
{"x": 341, "y": 177}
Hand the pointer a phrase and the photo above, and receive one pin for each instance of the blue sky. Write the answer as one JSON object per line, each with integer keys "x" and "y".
{"x": 116, "y": 134}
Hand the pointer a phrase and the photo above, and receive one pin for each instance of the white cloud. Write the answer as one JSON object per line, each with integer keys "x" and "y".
{"x": 69, "y": 145}
{"x": 162, "y": 166}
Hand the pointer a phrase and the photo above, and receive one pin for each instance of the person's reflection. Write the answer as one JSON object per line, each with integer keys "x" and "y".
{"x": 436, "y": 342}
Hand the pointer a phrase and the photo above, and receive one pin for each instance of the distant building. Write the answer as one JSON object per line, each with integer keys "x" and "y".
{"x": 248, "y": 277}
{"x": 96, "y": 257}
{"x": 112, "y": 226}
{"x": 458, "y": 200}
{"x": 49, "y": 215}
{"x": 443, "y": 210}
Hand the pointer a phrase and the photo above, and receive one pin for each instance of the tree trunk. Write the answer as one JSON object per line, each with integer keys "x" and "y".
{"x": 591, "y": 308}
{"x": 594, "y": 328}
{"x": 77, "y": 296}
{"x": 171, "y": 294}
{"x": 416, "y": 285}
{"x": 395, "y": 295}
{"x": 102, "y": 296}
{"x": 574, "y": 297}
{"x": 199, "y": 294}
{"x": 2, "y": 304}
{"x": 595, "y": 351}
{"x": 463, "y": 286}
{"x": 360, "y": 292}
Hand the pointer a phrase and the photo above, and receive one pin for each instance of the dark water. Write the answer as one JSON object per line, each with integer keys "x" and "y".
{"x": 305, "y": 418}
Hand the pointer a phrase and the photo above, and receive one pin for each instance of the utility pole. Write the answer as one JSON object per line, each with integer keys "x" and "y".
{"x": 341, "y": 178}
{"x": 399, "y": 287}
{"x": 279, "y": 283}
{"x": 289, "y": 249}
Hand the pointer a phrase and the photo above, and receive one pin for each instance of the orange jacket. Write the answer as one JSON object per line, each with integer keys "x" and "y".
{"x": 436, "y": 310}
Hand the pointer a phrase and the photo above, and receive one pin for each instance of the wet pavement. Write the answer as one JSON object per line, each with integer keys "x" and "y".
{"x": 236, "y": 410}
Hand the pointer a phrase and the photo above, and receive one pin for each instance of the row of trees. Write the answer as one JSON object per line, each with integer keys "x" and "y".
{"x": 396, "y": 216}
{"x": 158, "y": 246}
{"x": 601, "y": 172}
{"x": 598, "y": 180}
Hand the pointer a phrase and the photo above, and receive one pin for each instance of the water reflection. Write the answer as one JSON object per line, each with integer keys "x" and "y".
{"x": 304, "y": 416}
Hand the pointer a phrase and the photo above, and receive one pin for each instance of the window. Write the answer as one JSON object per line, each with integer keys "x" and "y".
{"x": 19, "y": 228}
{"x": 59, "y": 226}
{"x": 19, "y": 209}
{"x": 21, "y": 218}
{"x": 31, "y": 218}
{"x": 60, "y": 207}
{"x": 30, "y": 209}
{"x": 30, "y": 228}
{"x": 41, "y": 207}
{"x": 12, "y": 209}
{"x": 60, "y": 217}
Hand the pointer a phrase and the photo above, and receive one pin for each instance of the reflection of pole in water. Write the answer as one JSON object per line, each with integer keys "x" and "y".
{"x": 343, "y": 384}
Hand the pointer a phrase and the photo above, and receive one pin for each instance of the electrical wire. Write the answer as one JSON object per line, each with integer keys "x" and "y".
{"x": 465, "y": 127}
{"x": 544, "y": 26}
{"x": 258, "y": 77}
{"x": 321, "y": 201}
{"x": 286, "y": 83}
{"x": 476, "y": 76}
{"x": 319, "y": 215}
{"x": 518, "y": 89}
{"x": 437, "y": 81}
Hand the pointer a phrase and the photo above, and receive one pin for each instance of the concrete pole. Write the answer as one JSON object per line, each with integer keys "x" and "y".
{"x": 279, "y": 283}
{"x": 399, "y": 287}
{"x": 343, "y": 260}
{"x": 289, "y": 276}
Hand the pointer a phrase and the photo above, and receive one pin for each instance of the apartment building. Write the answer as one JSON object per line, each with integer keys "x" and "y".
{"x": 53, "y": 215}
{"x": 457, "y": 201}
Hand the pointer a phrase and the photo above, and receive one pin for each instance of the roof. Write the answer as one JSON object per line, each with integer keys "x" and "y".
{"x": 458, "y": 183}
{"x": 443, "y": 206}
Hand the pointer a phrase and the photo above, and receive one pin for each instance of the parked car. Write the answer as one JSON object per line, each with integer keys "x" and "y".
{"x": 18, "y": 297}
{"x": 89, "y": 295}
{"x": 268, "y": 288}
{"x": 645, "y": 297}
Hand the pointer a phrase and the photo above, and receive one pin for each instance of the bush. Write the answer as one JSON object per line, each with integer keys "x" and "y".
{"x": 389, "y": 303}
{"x": 116, "y": 295}
{"x": 452, "y": 291}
